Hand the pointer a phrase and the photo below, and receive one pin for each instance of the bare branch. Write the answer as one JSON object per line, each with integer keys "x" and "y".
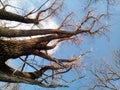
{"x": 64, "y": 21}
{"x": 34, "y": 11}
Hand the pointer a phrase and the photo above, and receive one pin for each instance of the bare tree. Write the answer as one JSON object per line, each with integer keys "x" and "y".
{"x": 12, "y": 48}
{"x": 107, "y": 76}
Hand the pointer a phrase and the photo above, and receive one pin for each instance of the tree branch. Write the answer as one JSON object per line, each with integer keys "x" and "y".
{"x": 5, "y": 15}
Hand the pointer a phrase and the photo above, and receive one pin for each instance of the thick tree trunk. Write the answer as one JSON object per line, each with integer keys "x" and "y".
{"x": 14, "y": 48}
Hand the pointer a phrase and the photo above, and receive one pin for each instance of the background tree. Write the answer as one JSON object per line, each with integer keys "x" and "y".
{"x": 108, "y": 3}
{"x": 107, "y": 76}
{"x": 12, "y": 46}
{"x": 105, "y": 72}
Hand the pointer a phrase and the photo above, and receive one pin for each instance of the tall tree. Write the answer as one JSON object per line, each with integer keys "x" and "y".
{"x": 11, "y": 47}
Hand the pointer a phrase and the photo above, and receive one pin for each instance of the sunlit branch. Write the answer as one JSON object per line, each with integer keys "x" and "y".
{"x": 54, "y": 59}
{"x": 54, "y": 45}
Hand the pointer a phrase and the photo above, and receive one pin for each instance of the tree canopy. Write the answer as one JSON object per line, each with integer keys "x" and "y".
{"x": 21, "y": 44}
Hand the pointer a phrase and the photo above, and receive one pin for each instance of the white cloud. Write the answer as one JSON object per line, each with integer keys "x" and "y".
{"x": 50, "y": 23}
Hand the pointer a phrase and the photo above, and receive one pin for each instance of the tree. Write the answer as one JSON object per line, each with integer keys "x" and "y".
{"x": 107, "y": 76}
{"x": 105, "y": 72}
{"x": 11, "y": 47}
{"x": 107, "y": 2}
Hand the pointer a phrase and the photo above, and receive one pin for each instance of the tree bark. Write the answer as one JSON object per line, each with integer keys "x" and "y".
{"x": 5, "y": 15}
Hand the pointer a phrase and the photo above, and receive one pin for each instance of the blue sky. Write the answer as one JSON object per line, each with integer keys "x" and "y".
{"x": 102, "y": 46}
